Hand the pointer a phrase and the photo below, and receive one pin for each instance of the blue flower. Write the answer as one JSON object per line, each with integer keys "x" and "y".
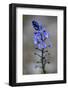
{"x": 45, "y": 34}
{"x": 35, "y": 25}
{"x": 38, "y": 41}
{"x": 40, "y": 35}
{"x": 41, "y": 45}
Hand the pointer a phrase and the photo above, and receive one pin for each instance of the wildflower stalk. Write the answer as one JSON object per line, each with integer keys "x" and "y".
{"x": 43, "y": 65}
{"x": 40, "y": 36}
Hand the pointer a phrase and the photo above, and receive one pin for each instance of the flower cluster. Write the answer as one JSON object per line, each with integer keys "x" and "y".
{"x": 40, "y": 35}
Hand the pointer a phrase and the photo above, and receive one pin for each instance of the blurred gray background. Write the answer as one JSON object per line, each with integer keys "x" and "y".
{"x": 29, "y": 59}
